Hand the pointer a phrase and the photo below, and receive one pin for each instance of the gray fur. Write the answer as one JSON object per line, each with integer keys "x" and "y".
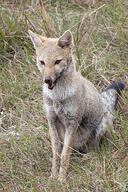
{"x": 78, "y": 115}
{"x": 78, "y": 99}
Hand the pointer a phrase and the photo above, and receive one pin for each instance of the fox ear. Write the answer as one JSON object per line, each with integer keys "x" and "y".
{"x": 36, "y": 39}
{"x": 66, "y": 40}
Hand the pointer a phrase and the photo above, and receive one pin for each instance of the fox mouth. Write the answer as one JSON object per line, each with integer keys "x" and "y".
{"x": 51, "y": 85}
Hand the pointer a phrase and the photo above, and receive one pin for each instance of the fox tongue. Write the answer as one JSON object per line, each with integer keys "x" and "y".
{"x": 50, "y": 86}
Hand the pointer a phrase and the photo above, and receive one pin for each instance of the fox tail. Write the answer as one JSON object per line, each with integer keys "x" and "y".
{"x": 111, "y": 94}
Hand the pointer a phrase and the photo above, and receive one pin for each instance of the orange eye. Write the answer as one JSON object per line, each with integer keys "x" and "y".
{"x": 42, "y": 62}
{"x": 57, "y": 62}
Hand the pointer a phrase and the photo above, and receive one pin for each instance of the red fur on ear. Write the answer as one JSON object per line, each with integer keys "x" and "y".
{"x": 66, "y": 40}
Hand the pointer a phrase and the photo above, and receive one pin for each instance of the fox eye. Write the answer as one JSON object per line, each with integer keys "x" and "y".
{"x": 42, "y": 62}
{"x": 57, "y": 62}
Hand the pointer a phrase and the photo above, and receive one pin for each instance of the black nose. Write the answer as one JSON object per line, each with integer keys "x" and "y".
{"x": 48, "y": 80}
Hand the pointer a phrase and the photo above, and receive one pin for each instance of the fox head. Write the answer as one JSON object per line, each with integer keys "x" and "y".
{"x": 54, "y": 57}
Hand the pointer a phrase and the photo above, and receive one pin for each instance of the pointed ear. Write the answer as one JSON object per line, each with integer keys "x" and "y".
{"x": 66, "y": 40}
{"x": 36, "y": 39}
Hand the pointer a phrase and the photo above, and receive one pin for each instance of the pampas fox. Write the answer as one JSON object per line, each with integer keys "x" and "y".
{"x": 78, "y": 115}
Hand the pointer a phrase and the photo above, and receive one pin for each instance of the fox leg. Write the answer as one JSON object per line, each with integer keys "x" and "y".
{"x": 67, "y": 149}
{"x": 56, "y": 148}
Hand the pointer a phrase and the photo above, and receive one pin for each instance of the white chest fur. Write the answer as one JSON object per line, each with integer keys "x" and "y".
{"x": 59, "y": 93}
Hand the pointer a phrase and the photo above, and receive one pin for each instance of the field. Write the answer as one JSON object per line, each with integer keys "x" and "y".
{"x": 100, "y": 31}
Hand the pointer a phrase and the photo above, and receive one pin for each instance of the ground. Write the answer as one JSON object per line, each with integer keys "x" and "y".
{"x": 100, "y": 31}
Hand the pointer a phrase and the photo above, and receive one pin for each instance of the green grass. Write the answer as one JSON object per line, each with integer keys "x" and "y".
{"x": 101, "y": 53}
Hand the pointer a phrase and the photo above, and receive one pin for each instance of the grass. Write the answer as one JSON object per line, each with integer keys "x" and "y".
{"x": 100, "y": 48}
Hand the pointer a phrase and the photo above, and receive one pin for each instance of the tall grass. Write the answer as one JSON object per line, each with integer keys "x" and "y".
{"x": 101, "y": 52}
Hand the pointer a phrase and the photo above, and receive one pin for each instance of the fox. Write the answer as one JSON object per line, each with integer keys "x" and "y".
{"x": 78, "y": 114}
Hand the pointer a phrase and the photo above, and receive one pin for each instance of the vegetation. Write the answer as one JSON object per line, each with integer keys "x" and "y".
{"x": 100, "y": 30}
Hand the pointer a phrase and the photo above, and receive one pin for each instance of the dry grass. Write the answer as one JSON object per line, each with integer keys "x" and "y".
{"x": 101, "y": 49}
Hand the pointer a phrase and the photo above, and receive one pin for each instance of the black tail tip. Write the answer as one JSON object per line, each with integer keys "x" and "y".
{"x": 118, "y": 86}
